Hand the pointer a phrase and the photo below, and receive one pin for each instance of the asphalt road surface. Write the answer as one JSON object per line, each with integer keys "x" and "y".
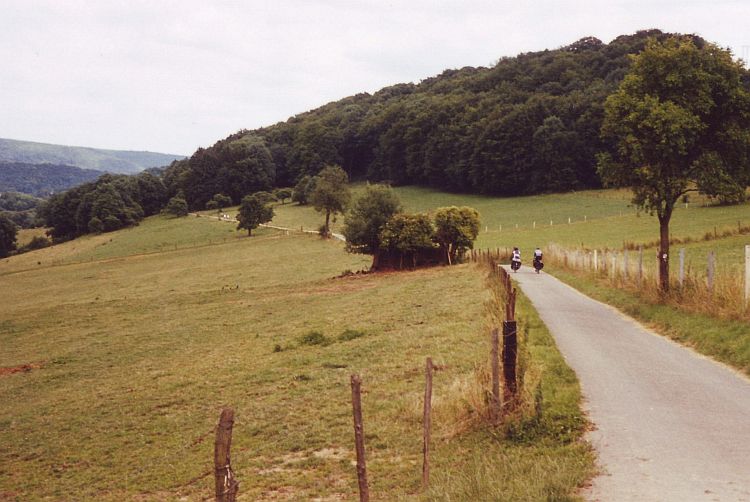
{"x": 670, "y": 425}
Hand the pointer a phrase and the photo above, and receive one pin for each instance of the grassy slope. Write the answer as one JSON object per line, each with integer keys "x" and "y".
{"x": 609, "y": 222}
{"x": 141, "y": 344}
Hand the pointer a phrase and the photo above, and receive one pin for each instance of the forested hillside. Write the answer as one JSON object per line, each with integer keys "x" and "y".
{"x": 113, "y": 161}
{"x": 529, "y": 124}
{"x": 41, "y": 180}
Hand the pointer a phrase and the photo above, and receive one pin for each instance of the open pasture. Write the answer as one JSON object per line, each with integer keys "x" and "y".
{"x": 132, "y": 347}
{"x": 599, "y": 219}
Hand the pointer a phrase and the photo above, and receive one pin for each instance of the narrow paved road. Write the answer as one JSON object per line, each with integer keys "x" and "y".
{"x": 670, "y": 425}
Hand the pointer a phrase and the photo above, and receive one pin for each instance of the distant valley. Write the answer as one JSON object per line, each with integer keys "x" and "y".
{"x": 113, "y": 161}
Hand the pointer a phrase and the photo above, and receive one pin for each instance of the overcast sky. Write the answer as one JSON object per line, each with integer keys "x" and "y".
{"x": 170, "y": 76}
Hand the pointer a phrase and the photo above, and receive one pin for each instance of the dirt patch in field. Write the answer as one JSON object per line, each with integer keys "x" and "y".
{"x": 23, "y": 368}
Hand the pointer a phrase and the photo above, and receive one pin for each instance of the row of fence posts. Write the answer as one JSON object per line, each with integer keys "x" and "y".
{"x": 608, "y": 262}
{"x": 509, "y": 352}
{"x": 534, "y": 225}
{"x": 359, "y": 434}
{"x": 227, "y": 486}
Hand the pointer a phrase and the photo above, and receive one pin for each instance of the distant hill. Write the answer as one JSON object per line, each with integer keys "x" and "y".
{"x": 113, "y": 161}
{"x": 529, "y": 124}
{"x": 41, "y": 180}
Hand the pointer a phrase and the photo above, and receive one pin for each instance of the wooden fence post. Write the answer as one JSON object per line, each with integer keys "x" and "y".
{"x": 427, "y": 424}
{"x": 225, "y": 483}
{"x": 625, "y": 264}
{"x": 614, "y": 265}
{"x": 710, "y": 271}
{"x": 359, "y": 439}
{"x": 495, "y": 354}
{"x": 510, "y": 352}
{"x": 596, "y": 260}
{"x": 640, "y": 266}
{"x": 747, "y": 274}
{"x": 681, "y": 277}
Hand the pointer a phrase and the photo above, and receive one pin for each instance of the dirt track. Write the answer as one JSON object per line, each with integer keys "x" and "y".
{"x": 669, "y": 423}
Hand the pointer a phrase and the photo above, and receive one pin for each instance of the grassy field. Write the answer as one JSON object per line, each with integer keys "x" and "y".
{"x": 120, "y": 350}
{"x": 599, "y": 219}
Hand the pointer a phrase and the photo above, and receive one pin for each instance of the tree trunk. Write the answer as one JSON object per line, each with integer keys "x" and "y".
{"x": 328, "y": 229}
{"x": 664, "y": 250}
{"x": 375, "y": 260}
{"x": 249, "y": 232}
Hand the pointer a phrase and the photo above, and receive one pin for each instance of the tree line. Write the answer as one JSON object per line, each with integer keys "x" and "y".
{"x": 530, "y": 124}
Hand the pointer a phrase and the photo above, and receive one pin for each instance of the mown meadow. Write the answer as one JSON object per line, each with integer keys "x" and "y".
{"x": 606, "y": 220}
{"x": 120, "y": 350}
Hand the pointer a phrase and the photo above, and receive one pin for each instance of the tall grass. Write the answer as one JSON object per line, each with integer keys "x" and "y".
{"x": 628, "y": 270}
{"x": 537, "y": 451}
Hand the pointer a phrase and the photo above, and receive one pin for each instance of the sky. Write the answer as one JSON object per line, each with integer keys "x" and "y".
{"x": 171, "y": 76}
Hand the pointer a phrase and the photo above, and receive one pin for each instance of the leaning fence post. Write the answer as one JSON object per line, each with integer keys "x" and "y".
{"x": 495, "y": 353}
{"x": 225, "y": 483}
{"x": 359, "y": 438}
{"x": 427, "y": 424}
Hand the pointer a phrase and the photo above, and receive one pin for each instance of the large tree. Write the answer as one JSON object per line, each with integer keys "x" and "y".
{"x": 253, "y": 212}
{"x": 331, "y": 194}
{"x": 369, "y": 214}
{"x": 680, "y": 121}
{"x": 456, "y": 228}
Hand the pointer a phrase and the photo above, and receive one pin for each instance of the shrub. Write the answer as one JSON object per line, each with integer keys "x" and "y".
{"x": 350, "y": 334}
{"x": 314, "y": 338}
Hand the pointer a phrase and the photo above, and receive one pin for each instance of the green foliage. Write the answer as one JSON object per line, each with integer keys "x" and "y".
{"x": 528, "y": 124}
{"x": 369, "y": 214}
{"x": 253, "y": 212}
{"x": 41, "y": 180}
{"x": 238, "y": 165}
{"x": 8, "y": 232}
{"x": 265, "y": 197}
{"x": 456, "y": 228}
{"x": 407, "y": 234}
{"x": 177, "y": 206}
{"x": 16, "y": 201}
{"x": 679, "y": 122}
{"x": 96, "y": 226}
{"x": 350, "y": 334}
{"x": 220, "y": 201}
{"x": 303, "y": 189}
{"x": 313, "y": 338}
{"x": 117, "y": 201}
{"x": 331, "y": 194}
{"x": 282, "y": 194}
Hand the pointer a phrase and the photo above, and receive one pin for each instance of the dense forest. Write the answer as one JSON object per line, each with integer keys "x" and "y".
{"x": 20, "y": 208}
{"x": 530, "y": 124}
{"x": 111, "y": 202}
